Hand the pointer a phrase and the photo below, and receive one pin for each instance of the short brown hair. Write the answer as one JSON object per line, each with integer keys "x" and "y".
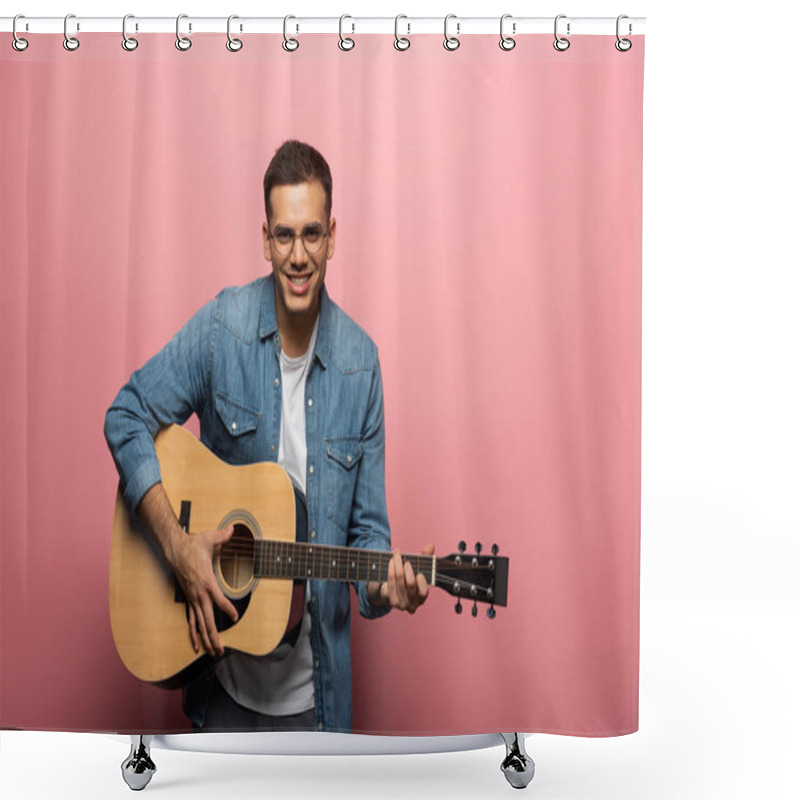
{"x": 296, "y": 162}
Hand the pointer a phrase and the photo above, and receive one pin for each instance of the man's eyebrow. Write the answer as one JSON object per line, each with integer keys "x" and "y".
{"x": 314, "y": 225}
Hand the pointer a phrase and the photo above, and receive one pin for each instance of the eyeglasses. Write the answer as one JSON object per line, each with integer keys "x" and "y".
{"x": 313, "y": 236}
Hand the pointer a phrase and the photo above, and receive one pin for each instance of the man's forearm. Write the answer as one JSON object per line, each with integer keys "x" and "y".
{"x": 157, "y": 513}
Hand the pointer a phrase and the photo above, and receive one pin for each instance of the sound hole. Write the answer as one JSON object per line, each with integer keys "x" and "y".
{"x": 237, "y": 557}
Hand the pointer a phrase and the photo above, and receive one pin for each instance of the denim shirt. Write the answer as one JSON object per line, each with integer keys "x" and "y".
{"x": 224, "y": 366}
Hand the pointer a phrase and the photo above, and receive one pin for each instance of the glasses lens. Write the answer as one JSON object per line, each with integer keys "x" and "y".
{"x": 283, "y": 239}
{"x": 312, "y": 236}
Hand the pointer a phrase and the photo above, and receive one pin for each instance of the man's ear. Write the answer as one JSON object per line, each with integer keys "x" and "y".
{"x": 331, "y": 236}
{"x": 265, "y": 237}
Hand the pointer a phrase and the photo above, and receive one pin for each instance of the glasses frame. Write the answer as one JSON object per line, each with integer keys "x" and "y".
{"x": 295, "y": 237}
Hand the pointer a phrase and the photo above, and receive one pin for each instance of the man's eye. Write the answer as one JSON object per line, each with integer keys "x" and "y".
{"x": 312, "y": 235}
{"x": 283, "y": 236}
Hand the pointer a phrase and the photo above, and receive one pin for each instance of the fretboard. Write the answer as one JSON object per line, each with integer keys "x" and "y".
{"x": 275, "y": 559}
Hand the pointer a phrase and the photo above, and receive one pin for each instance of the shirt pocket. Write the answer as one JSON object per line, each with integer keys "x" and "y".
{"x": 235, "y": 440}
{"x": 342, "y": 457}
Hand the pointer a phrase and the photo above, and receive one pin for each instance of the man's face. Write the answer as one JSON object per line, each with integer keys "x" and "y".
{"x": 298, "y": 263}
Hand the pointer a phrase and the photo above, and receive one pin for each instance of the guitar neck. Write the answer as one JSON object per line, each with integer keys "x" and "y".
{"x": 296, "y": 560}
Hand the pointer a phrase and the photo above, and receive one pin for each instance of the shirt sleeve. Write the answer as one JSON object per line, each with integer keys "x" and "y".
{"x": 167, "y": 389}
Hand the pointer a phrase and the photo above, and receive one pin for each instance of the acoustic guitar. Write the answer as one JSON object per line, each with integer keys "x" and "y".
{"x": 259, "y": 569}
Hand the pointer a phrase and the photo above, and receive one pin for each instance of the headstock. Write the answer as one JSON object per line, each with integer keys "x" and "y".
{"x": 476, "y": 577}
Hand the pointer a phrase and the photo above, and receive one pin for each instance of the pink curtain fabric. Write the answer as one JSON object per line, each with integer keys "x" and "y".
{"x": 489, "y": 240}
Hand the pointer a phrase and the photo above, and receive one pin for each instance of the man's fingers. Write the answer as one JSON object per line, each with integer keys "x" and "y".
{"x": 411, "y": 586}
{"x": 201, "y": 624}
{"x": 422, "y": 588}
{"x": 403, "y": 588}
{"x": 400, "y": 581}
{"x": 211, "y": 628}
{"x": 193, "y": 629}
{"x": 201, "y": 618}
{"x": 223, "y": 535}
{"x": 391, "y": 592}
{"x": 421, "y": 581}
{"x": 224, "y": 603}
{"x": 389, "y": 589}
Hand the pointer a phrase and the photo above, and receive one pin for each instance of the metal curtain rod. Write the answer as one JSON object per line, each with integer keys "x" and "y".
{"x": 350, "y": 24}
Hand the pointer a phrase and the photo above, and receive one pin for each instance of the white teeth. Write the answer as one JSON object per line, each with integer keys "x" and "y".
{"x": 297, "y": 281}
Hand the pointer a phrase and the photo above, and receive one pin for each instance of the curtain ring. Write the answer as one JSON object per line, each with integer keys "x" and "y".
{"x": 506, "y": 42}
{"x": 182, "y": 42}
{"x": 561, "y": 43}
{"x": 400, "y": 42}
{"x": 233, "y": 44}
{"x": 345, "y": 42}
{"x": 70, "y": 42}
{"x": 289, "y": 44}
{"x": 128, "y": 42}
{"x": 451, "y": 42}
{"x": 623, "y": 45}
{"x": 18, "y": 43}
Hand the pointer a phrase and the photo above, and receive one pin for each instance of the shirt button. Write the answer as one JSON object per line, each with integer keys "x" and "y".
{"x": 272, "y": 448}
{"x": 277, "y": 382}
{"x": 310, "y": 402}
{"x": 233, "y": 426}
{"x": 313, "y": 534}
{"x": 311, "y": 469}
{"x": 349, "y": 459}
{"x": 316, "y": 664}
{"x": 313, "y": 599}
{"x": 319, "y": 726}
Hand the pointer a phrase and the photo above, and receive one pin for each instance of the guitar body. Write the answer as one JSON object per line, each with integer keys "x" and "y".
{"x": 148, "y": 613}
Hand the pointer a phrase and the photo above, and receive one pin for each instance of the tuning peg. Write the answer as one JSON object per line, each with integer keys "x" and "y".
{"x": 462, "y": 546}
{"x": 495, "y": 549}
{"x": 458, "y": 607}
{"x": 490, "y": 612}
{"x": 478, "y": 547}
{"x": 475, "y": 610}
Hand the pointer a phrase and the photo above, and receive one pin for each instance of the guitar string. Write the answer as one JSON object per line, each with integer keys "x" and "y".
{"x": 232, "y": 553}
{"x": 440, "y": 564}
{"x": 249, "y": 550}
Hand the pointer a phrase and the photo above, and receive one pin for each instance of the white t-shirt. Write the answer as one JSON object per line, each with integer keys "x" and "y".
{"x": 283, "y": 682}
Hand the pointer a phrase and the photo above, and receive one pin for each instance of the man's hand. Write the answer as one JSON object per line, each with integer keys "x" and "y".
{"x": 191, "y": 556}
{"x": 192, "y": 560}
{"x": 402, "y": 588}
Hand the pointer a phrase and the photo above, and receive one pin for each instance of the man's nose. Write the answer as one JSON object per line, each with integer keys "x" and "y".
{"x": 298, "y": 254}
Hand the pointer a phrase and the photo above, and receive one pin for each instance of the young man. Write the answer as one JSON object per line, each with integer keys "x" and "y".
{"x": 275, "y": 372}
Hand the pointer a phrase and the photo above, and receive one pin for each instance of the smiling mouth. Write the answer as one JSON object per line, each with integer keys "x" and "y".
{"x": 298, "y": 283}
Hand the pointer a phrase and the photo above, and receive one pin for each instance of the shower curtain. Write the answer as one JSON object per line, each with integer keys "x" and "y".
{"x": 488, "y": 205}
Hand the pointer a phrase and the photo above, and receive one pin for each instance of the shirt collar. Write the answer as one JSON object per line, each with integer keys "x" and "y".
{"x": 268, "y": 325}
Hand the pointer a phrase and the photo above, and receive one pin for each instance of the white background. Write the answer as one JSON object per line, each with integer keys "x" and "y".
{"x": 721, "y": 446}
